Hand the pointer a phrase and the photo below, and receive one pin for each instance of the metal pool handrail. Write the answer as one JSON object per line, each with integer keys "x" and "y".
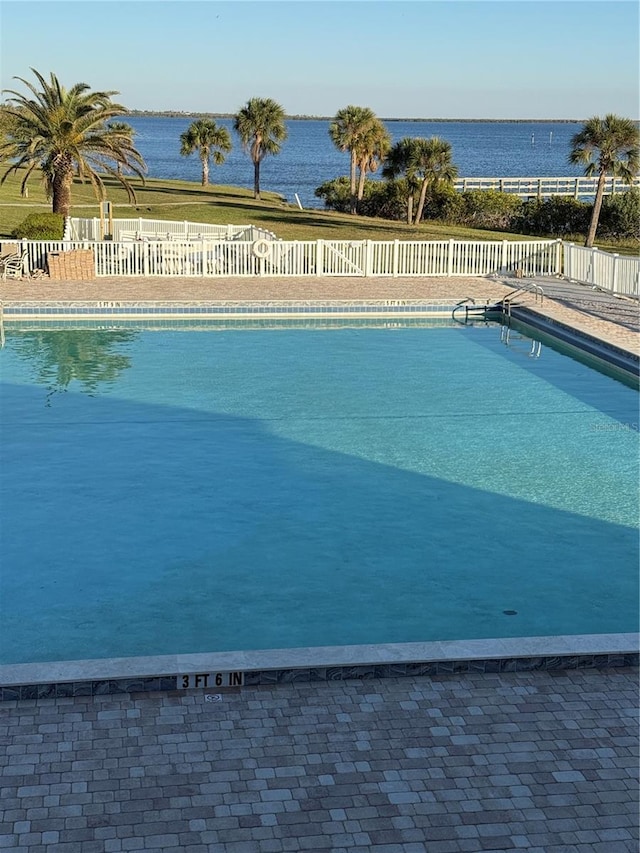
{"x": 466, "y": 307}
{"x": 469, "y": 308}
{"x": 530, "y": 287}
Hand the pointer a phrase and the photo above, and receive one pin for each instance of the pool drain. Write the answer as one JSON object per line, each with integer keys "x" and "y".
{"x": 510, "y": 612}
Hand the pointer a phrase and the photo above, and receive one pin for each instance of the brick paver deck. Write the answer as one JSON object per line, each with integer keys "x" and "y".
{"x": 543, "y": 762}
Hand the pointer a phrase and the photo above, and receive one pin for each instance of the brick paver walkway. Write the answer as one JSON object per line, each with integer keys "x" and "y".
{"x": 543, "y": 762}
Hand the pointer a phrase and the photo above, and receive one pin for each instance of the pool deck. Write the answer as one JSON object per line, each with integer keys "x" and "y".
{"x": 544, "y": 760}
{"x": 611, "y": 320}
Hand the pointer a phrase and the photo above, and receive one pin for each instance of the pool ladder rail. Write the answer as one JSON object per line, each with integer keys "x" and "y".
{"x": 526, "y": 287}
{"x": 471, "y": 310}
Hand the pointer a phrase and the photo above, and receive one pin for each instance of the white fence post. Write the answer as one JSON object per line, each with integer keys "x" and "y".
{"x": 396, "y": 254}
{"x": 319, "y": 257}
{"x": 368, "y": 258}
{"x": 503, "y": 259}
{"x": 614, "y": 275}
{"x": 450, "y": 258}
{"x": 568, "y": 260}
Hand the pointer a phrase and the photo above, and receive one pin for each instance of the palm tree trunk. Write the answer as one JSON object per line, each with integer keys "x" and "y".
{"x": 361, "y": 179}
{"x": 421, "y": 201}
{"x": 205, "y": 170}
{"x": 595, "y": 213}
{"x": 61, "y": 189}
{"x": 256, "y": 179}
{"x": 353, "y": 182}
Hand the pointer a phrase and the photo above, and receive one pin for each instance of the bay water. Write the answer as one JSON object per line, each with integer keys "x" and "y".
{"x": 308, "y": 157}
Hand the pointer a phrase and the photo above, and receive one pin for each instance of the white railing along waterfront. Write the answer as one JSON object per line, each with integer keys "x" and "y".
{"x": 543, "y": 187}
{"x": 218, "y": 258}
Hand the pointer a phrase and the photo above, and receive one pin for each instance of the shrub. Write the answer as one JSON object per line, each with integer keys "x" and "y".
{"x": 385, "y": 199}
{"x": 40, "y": 226}
{"x": 446, "y": 205}
{"x": 336, "y": 194}
{"x": 557, "y": 216}
{"x": 490, "y": 209}
{"x": 620, "y": 215}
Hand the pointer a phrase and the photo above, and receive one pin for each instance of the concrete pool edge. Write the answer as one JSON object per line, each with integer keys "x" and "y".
{"x": 327, "y": 663}
{"x": 576, "y": 339}
{"x": 229, "y": 309}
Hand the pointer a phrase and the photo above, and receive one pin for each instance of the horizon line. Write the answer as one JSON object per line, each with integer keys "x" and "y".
{"x": 311, "y": 117}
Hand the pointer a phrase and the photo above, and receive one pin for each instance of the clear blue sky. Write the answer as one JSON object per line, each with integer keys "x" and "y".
{"x": 416, "y": 59}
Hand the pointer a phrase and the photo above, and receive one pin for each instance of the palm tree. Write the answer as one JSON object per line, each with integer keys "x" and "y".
{"x": 60, "y": 131}
{"x": 401, "y": 161}
{"x": 261, "y": 128}
{"x": 347, "y": 130}
{"x": 372, "y": 148}
{"x": 606, "y": 146}
{"x": 434, "y": 167}
{"x": 425, "y": 164}
{"x": 209, "y": 140}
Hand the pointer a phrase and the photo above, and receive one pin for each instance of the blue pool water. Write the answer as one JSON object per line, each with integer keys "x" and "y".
{"x": 180, "y": 491}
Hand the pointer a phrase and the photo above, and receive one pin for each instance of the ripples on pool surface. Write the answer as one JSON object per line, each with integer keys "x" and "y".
{"x": 177, "y": 492}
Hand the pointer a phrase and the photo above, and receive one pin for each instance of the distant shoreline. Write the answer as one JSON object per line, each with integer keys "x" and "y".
{"x": 178, "y": 114}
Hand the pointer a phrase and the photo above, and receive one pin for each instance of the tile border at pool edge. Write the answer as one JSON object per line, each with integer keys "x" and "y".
{"x": 273, "y": 666}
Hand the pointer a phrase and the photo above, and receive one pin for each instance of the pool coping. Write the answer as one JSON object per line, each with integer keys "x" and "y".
{"x": 326, "y": 663}
{"x": 224, "y": 309}
{"x": 577, "y": 339}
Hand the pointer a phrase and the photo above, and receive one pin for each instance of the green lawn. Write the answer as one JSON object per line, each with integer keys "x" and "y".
{"x": 224, "y": 205}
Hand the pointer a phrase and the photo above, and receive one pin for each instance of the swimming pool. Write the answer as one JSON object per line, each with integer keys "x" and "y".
{"x": 180, "y": 492}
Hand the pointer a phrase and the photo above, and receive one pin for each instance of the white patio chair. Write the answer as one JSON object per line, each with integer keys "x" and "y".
{"x": 15, "y": 266}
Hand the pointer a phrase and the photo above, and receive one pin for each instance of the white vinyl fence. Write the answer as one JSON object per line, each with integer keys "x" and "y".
{"x": 263, "y": 257}
{"x": 618, "y": 274}
{"x": 158, "y": 248}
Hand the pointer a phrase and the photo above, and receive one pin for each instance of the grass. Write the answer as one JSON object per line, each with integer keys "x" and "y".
{"x": 223, "y": 205}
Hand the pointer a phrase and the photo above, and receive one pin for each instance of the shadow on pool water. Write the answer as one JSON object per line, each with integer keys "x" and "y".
{"x": 136, "y": 529}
